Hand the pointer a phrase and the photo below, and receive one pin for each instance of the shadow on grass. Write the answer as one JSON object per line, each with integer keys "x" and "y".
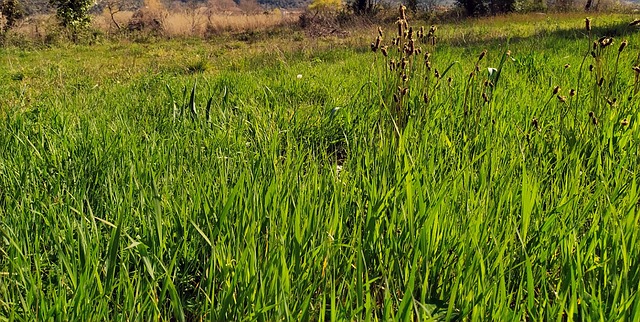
{"x": 617, "y": 30}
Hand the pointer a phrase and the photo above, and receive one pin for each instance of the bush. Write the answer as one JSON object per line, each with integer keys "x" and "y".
{"x": 12, "y": 11}
{"x": 73, "y": 13}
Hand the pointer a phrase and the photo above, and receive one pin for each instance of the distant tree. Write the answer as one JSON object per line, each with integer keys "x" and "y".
{"x": 412, "y": 5}
{"x": 325, "y": 5}
{"x": 485, "y": 7}
{"x": 362, "y": 7}
{"x": 12, "y": 11}
{"x": 73, "y": 13}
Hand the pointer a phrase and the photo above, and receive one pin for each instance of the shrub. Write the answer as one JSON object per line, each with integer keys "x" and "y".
{"x": 12, "y": 11}
{"x": 73, "y": 13}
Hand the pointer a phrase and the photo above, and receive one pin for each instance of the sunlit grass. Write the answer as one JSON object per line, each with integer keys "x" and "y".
{"x": 132, "y": 188}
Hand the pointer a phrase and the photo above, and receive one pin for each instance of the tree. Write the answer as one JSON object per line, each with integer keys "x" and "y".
{"x": 73, "y": 13}
{"x": 12, "y": 11}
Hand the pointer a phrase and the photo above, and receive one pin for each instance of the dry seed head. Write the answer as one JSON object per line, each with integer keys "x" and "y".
{"x": 395, "y": 98}
{"x": 594, "y": 120}
{"x": 400, "y": 31}
{"x": 595, "y": 44}
{"x": 622, "y": 46}
{"x": 428, "y": 65}
{"x": 624, "y": 122}
{"x": 508, "y": 53}
{"x": 449, "y": 80}
{"x": 437, "y": 74}
{"x": 601, "y": 81}
{"x": 404, "y": 91}
{"x": 425, "y": 97}
{"x": 384, "y": 51}
{"x": 410, "y": 34}
{"x": 482, "y": 54}
{"x": 612, "y": 102}
{"x": 432, "y": 30}
{"x": 421, "y": 33}
{"x": 405, "y": 78}
{"x": 404, "y": 63}
{"x": 403, "y": 10}
{"x": 572, "y": 92}
{"x": 593, "y": 54}
{"x": 378, "y": 41}
{"x": 587, "y": 23}
{"x": 562, "y": 99}
{"x": 635, "y": 22}
{"x": 373, "y": 47}
{"x": 535, "y": 124}
{"x": 485, "y": 97}
{"x": 606, "y": 42}
{"x": 567, "y": 66}
{"x": 590, "y": 68}
{"x": 636, "y": 69}
{"x": 380, "y": 31}
{"x": 556, "y": 90}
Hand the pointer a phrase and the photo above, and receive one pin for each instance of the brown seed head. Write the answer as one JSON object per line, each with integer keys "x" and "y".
{"x": 623, "y": 45}
{"x": 587, "y": 23}
{"x": 561, "y": 98}
{"x": 384, "y": 51}
{"x": 635, "y": 22}
{"x": 601, "y": 81}
{"x": 482, "y": 54}
{"x": 556, "y": 90}
{"x": 380, "y": 31}
{"x": 572, "y": 92}
{"x": 535, "y": 124}
{"x": 403, "y": 10}
{"x": 593, "y": 54}
{"x": 606, "y": 42}
{"x": 567, "y": 66}
{"x": 590, "y": 68}
{"x": 437, "y": 74}
{"x": 485, "y": 97}
{"x": 624, "y": 122}
{"x": 508, "y": 53}
{"x": 425, "y": 97}
{"x": 636, "y": 69}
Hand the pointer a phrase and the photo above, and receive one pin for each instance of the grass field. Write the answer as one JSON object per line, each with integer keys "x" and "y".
{"x": 286, "y": 178}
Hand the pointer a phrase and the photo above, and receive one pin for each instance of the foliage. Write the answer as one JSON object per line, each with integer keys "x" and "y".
{"x": 486, "y": 7}
{"x": 73, "y": 13}
{"x": 325, "y": 5}
{"x": 12, "y": 11}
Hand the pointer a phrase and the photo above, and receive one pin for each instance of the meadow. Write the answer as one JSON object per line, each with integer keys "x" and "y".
{"x": 486, "y": 170}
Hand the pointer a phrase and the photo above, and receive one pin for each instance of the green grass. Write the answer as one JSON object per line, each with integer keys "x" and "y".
{"x": 188, "y": 180}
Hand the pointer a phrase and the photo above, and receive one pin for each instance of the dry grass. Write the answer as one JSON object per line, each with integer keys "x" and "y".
{"x": 202, "y": 21}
